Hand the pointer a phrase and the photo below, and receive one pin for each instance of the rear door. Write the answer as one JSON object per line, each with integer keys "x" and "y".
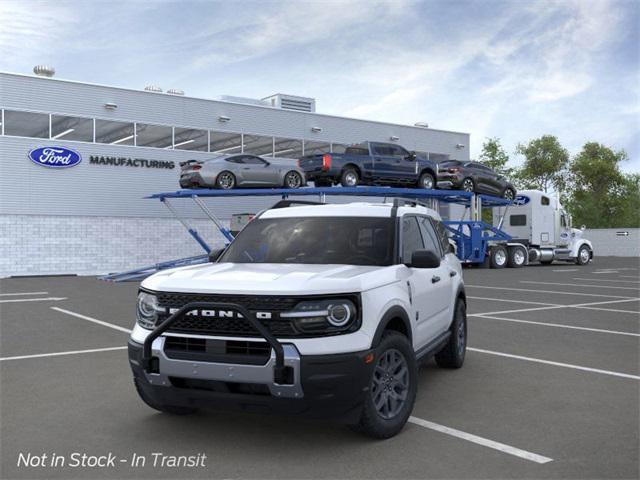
{"x": 424, "y": 284}
{"x": 384, "y": 161}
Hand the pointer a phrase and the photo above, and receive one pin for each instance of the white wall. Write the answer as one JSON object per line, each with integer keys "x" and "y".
{"x": 609, "y": 242}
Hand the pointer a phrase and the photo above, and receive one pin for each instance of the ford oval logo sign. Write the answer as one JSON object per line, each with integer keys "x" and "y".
{"x": 521, "y": 200}
{"x": 55, "y": 157}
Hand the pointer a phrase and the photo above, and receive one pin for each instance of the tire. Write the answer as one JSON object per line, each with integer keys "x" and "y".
{"x": 584, "y": 255}
{"x": 453, "y": 353}
{"x": 390, "y": 416}
{"x": 171, "y": 409}
{"x": 292, "y": 180}
{"x": 498, "y": 256}
{"x": 427, "y": 181}
{"x": 517, "y": 257}
{"x": 508, "y": 194}
{"x": 226, "y": 180}
{"x": 349, "y": 177}
{"x": 468, "y": 185}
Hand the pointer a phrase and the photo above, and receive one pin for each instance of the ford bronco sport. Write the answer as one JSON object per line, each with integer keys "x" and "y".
{"x": 321, "y": 310}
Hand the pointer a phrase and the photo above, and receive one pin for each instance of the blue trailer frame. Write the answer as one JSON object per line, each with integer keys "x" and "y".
{"x": 472, "y": 237}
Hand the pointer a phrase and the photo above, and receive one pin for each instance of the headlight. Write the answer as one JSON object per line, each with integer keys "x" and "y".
{"x": 147, "y": 311}
{"x": 323, "y": 316}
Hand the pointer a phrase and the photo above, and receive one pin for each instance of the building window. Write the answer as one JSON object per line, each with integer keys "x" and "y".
{"x": 156, "y": 136}
{"x": 71, "y": 128}
{"x": 225, "y": 143}
{"x": 258, "y": 145}
{"x": 313, "y": 148}
{"x": 114, "y": 133}
{"x": 287, "y": 148}
{"x": 190, "y": 139}
{"x": 26, "y": 124}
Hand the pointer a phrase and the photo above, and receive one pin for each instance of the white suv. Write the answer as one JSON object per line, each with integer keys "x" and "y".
{"x": 321, "y": 310}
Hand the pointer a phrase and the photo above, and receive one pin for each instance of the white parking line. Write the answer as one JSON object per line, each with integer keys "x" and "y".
{"x": 558, "y": 325}
{"x": 555, "y": 364}
{"x": 567, "y": 270}
{"x": 514, "y": 301}
{"x": 23, "y": 293}
{"x": 93, "y": 320}
{"x": 552, "y": 306}
{"x": 581, "y": 285}
{"x": 58, "y": 354}
{"x": 531, "y": 290}
{"x": 604, "y": 280}
{"x": 485, "y": 442}
{"x": 628, "y": 276}
{"x": 48, "y": 299}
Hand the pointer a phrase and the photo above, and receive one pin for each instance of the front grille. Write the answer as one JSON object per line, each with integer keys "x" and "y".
{"x": 221, "y": 351}
{"x": 228, "y": 326}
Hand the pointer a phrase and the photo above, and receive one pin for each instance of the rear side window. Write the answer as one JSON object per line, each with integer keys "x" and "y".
{"x": 357, "y": 150}
{"x": 429, "y": 236}
{"x": 235, "y": 160}
{"x": 518, "y": 220}
{"x": 411, "y": 238}
{"x": 544, "y": 201}
{"x": 443, "y": 236}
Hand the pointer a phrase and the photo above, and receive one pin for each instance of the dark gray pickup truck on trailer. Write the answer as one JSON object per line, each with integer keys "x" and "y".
{"x": 371, "y": 163}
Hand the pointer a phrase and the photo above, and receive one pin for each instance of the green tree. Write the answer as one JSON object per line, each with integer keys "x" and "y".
{"x": 545, "y": 164}
{"x": 600, "y": 195}
{"x": 494, "y": 156}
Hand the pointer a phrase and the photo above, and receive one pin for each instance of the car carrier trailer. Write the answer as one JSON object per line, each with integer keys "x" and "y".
{"x": 476, "y": 242}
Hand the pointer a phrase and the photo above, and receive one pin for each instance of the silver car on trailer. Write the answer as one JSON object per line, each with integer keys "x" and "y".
{"x": 241, "y": 170}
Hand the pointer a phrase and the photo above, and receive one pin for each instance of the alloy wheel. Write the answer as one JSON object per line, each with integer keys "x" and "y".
{"x": 293, "y": 180}
{"x": 226, "y": 181}
{"x": 467, "y": 185}
{"x": 351, "y": 179}
{"x": 390, "y": 386}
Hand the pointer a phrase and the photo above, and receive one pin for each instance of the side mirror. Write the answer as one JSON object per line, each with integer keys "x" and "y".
{"x": 424, "y": 259}
{"x": 411, "y": 156}
{"x": 583, "y": 227}
{"x": 214, "y": 255}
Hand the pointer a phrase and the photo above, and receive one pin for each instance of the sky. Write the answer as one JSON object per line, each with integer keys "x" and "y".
{"x": 515, "y": 70}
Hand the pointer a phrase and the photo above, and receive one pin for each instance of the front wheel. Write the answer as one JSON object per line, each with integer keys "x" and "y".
{"x": 293, "y": 179}
{"x": 392, "y": 390}
{"x": 453, "y": 353}
{"x": 426, "y": 181}
{"x": 584, "y": 255}
{"x": 468, "y": 185}
{"x": 509, "y": 194}
{"x": 226, "y": 180}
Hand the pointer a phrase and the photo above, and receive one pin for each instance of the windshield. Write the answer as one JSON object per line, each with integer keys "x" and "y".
{"x": 314, "y": 240}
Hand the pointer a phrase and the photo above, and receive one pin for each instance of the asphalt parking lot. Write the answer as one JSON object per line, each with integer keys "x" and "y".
{"x": 550, "y": 389}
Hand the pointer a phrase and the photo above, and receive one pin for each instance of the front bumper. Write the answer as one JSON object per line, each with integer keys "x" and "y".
{"x": 322, "y": 386}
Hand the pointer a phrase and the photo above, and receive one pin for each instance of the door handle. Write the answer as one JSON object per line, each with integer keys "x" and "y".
{"x": 435, "y": 279}
{"x": 453, "y": 273}
{"x": 246, "y": 168}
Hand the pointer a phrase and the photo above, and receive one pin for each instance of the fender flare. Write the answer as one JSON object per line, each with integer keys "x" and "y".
{"x": 580, "y": 243}
{"x": 394, "y": 312}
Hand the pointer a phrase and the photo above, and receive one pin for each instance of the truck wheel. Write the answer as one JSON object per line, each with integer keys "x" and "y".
{"x": 349, "y": 178}
{"x": 517, "y": 257}
{"x": 584, "y": 255}
{"x": 172, "y": 409}
{"x": 498, "y": 256}
{"x": 426, "y": 181}
{"x": 452, "y": 355}
{"x": 226, "y": 180}
{"x": 392, "y": 391}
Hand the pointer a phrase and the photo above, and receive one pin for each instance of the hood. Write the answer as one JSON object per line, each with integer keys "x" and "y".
{"x": 272, "y": 279}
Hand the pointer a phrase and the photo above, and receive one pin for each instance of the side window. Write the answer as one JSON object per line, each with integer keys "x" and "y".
{"x": 563, "y": 220}
{"x": 251, "y": 160}
{"x": 544, "y": 201}
{"x": 237, "y": 159}
{"x": 431, "y": 241}
{"x": 398, "y": 151}
{"x": 411, "y": 238}
{"x": 443, "y": 236}
{"x": 517, "y": 220}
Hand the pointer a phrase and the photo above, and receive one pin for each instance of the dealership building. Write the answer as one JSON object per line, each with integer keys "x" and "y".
{"x": 92, "y": 217}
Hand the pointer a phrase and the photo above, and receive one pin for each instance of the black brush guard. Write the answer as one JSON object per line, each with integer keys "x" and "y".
{"x": 279, "y": 374}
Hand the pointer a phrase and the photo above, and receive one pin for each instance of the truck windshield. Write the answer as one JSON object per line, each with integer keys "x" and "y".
{"x": 314, "y": 240}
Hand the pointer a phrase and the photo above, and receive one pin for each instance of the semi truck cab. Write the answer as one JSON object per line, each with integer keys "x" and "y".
{"x": 540, "y": 223}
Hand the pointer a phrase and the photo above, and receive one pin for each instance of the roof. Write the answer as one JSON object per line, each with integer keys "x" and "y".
{"x": 355, "y": 209}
